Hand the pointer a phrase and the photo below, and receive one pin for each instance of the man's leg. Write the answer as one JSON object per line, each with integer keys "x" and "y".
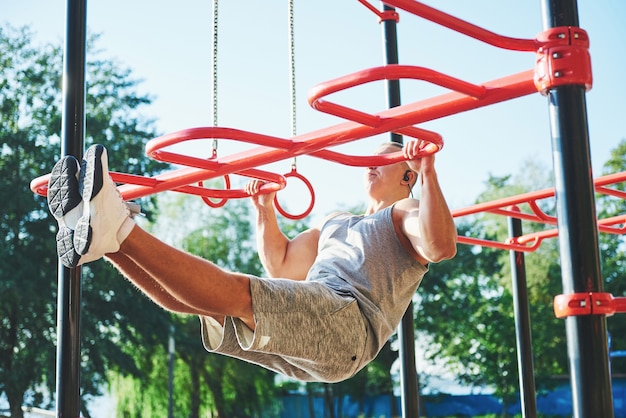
{"x": 150, "y": 287}
{"x": 101, "y": 225}
{"x": 199, "y": 286}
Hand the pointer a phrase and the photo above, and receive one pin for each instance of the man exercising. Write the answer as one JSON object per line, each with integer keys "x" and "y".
{"x": 334, "y": 295}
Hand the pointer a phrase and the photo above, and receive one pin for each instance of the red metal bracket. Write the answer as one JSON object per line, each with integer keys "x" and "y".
{"x": 563, "y": 59}
{"x": 590, "y": 303}
{"x": 382, "y": 15}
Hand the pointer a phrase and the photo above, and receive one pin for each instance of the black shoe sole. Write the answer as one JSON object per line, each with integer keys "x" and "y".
{"x": 63, "y": 192}
{"x": 89, "y": 185}
{"x": 63, "y": 196}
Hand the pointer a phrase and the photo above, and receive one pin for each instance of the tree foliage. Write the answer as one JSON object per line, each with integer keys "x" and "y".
{"x": 30, "y": 100}
{"x": 203, "y": 382}
{"x": 613, "y": 255}
{"x": 466, "y": 309}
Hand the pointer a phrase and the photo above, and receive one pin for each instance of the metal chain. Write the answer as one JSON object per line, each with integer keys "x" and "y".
{"x": 214, "y": 57}
{"x": 292, "y": 72}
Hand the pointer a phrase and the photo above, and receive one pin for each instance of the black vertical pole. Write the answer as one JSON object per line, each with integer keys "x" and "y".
{"x": 73, "y": 133}
{"x": 390, "y": 39}
{"x": 587, "y": 345}
{"x": 522, "y": 325}
{"x": 408, "y": 369}
{"x": 170, "y": 382}
{"x": 406, "y": 333}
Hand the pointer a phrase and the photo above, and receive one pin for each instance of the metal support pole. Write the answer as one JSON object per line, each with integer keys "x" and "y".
{"x": 587, "y": 345}
{"x": 522, "y": 325}
{"x": 171, "y": 350}
{"x": 406, "y": 334}
{"x": 408, "y": 369}
{"x": 70, "y": 286}
{"x": 390, "y": 40}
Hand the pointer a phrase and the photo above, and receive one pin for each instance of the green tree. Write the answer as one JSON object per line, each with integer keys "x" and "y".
{"x": 612, "y": 252}
{"x": 204, "y": 383}
{"x": 30, "y": 99}
{"x": 373, "y": 380}
{"x": 27, "y": 331}
{"x": 466, "y": 308}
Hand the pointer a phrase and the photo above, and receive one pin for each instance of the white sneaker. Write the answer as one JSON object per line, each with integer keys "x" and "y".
{"x": 103, "y": 209}
{"x": 64, "y": 203}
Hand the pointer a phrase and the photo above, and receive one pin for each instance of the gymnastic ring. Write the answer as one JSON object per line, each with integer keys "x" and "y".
{"x": 222, "y": 201}
{"x": 294, "y": 173}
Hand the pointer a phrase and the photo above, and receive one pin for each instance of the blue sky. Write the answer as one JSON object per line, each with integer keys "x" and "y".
{"x": 168, "y": 45}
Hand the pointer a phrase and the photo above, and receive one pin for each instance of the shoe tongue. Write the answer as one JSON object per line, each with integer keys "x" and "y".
{"x": 133, "y": 208}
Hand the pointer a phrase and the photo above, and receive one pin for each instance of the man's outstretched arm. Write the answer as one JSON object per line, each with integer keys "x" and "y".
{"x": 281, "y": 257}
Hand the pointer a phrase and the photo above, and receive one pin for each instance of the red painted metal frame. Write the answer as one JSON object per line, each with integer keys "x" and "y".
{"x": 463, "y": 96}
{"x": 464, "y": 27}
{"x": 574, "y": 304}
{"x": 382, "y": 15}
{"x": 400, "y": 119}
{"x": 590, "y": 303}
{"x": 530, "y": 242}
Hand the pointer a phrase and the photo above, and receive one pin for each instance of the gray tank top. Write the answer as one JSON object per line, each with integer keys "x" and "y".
{"x": 362, "y": 256}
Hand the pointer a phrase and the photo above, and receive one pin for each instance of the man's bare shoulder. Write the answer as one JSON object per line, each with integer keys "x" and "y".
{"x": 407, "y": 204}
{"x": 332, "y": 215}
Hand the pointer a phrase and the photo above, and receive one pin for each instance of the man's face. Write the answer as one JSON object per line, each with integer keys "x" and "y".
{"x": 382, "y": 179}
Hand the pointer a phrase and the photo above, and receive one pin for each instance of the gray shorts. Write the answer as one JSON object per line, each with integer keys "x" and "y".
{"x": 304, "y": 330}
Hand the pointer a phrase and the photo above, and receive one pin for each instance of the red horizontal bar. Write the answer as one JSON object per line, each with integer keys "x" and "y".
{"x": 388, "y": 72}
{"x": 315, "y": 143}
{"x": 509, "y": 245}
{"x": 530, "y": 242}
{"x": 499, "y": 204}
{"x": 464, "y": 27}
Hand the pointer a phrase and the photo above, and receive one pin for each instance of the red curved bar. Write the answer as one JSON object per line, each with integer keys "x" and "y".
{"x": 541, "y": 214}
{"x": 387, "y": 72}
{"x": 508, "y": 245}
{"x": 275, "y": 182}
{"x": 40, "y": 184}
{"x": 382, "y": 15}
{"x": 155, "y": 148}
{"x": 464, "y": 27}
{"x": 608, "y": 225}
{"x": 534, "y": 240}
{"x": 530, "y": 242}
{"x": 364, "y": 160}
{"x": 611, "y": 192}
{"x": 436, "y": 143}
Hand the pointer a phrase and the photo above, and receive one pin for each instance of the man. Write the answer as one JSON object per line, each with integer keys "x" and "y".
{"x": 337, "y": 291}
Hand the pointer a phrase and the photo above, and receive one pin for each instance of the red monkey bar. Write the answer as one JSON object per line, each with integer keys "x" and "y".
{"x": 575, "y": 304}
{"x": 272, "y": 149}
{"x": 464, "y": 96}
{"x": 530, "y": 242}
